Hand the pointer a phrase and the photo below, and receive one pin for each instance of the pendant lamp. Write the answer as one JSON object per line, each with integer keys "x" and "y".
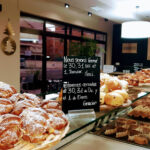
{"x": 135, "y": 29}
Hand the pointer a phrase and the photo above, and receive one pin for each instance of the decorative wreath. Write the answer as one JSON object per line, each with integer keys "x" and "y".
{"x": 4, "y": 45}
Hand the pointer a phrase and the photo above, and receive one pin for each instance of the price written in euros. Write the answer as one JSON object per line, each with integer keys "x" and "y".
{"x": 80, "y": 90}
{"x": 76, "y": 65}
{"x": 75, "y": 90}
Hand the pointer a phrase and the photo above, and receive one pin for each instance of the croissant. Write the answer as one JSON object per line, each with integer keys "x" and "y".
{"x": 21, "y": 105}
{"x": 50, "y": 104}
{"x": 34, "y": 124}
{"x": 6, "y": 106}
{"x": 19, "y": 97}
{"x": 10, "y": 132}
{"x": 6, "y": 90}
{"x": 57, "y": 119}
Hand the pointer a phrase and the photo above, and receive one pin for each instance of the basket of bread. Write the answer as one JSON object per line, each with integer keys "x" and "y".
{"x": 113, "y": 92}
{"x": 27, "y": 122}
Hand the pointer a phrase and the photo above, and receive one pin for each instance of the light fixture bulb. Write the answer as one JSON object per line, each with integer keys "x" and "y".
{"x": 67, "y": 5}
{"x": 89, "y": 14}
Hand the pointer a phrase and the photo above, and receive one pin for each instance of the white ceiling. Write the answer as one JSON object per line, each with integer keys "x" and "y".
{"x": 115, "y": 10}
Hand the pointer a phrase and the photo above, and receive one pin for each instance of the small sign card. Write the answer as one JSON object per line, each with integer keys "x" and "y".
{"x": 108, "y": 68}
{"x": 81, "y": 83}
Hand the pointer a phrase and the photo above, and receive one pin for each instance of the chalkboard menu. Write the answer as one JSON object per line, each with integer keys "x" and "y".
{"x": 81, "y": 83}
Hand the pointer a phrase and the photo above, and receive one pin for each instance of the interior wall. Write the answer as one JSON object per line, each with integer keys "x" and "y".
{"x": 57, "y": 11}
{"x": 127, "y": 60}
{"x": 10, "y": 65}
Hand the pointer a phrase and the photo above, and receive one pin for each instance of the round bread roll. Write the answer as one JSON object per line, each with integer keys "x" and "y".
{"x": 114, "y": 99}
{"x": 102, "y": 95}
{"x": 102, "y": 83}
{"x": 123, "y": 93}
{"x": 6, "y": 106}
{"x": 104, "y": 88}
{"x": 113, "y": 84}
{"x": 124, "y": 84}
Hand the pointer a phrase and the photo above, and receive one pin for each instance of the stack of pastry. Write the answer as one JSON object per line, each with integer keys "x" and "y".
{"x": 142, "y": 111}
{"x": 141, "y": 108}
{"x": 132, "y": 79}
{"x": 113, "y": 92}
{"x": 145, "y": 101}
{"x": 135, "y": 131}
{"x": 138, "y": 78}
{"x": 28, "y": 123}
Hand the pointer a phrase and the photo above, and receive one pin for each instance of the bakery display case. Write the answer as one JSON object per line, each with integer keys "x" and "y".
{"x": 103, "y": 120}
{"x": 126, "y": 123}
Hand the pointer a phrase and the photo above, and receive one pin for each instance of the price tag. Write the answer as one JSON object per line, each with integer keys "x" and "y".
{"x": 81, "y": 81}
{"x": 108, "y": 68}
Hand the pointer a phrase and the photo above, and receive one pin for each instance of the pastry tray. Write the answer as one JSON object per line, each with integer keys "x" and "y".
{"x": 99, "y": 131}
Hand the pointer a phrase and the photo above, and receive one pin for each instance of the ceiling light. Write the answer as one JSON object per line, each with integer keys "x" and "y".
{"x": 96, "y": 8}
{"x": 51, "y": 27}
{"x": 67, "y": 5}
{"x": 135, "y": 29}
{"x": 89, "y": 14}
{"x": 29, "y": 40}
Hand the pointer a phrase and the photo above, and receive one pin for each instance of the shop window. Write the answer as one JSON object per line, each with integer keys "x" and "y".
{"x": 100, "y": 52}
{"x": 76, "y": 32}
{"x": 31, "y": 63}
{"x": 100, "y": 37}
{"x": 68, "y": 30}
{"x": 31, "y": 23}
{"x": 56, "y": 28}
{"x": 88, "y": 34}
{"x": 73, "y": 47}
{"x": 55, "y": 53}
{"x": 32, "y": 51}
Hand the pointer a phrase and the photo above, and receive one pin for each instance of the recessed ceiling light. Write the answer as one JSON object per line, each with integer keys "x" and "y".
{"x": 96, "y": 8}
{"x": 67, "y": 5}
{"x": 89, "y": 14}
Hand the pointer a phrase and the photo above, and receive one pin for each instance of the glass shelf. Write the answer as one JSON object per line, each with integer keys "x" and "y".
{"x": 101, "y": 119}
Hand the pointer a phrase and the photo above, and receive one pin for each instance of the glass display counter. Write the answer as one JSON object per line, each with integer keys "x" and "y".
{"x": 81, "y": 125}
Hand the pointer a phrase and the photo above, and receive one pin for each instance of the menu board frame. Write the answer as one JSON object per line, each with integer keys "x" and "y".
{"x": 81, "y": 83}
